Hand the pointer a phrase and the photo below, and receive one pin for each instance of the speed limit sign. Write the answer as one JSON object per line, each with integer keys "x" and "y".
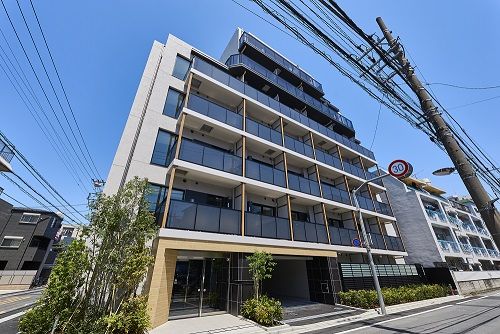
{"x": 400, "y": 169}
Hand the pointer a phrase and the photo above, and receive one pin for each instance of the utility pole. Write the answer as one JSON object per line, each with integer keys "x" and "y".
{"x": 465, "y": 169}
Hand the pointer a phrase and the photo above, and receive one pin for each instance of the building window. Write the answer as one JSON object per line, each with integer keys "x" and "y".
{"x": 300, "y": 216}
{"x": 181, "y": 67}
{"x": 260, "y": 209}
{"x": 29, "y": 218}
{"x": 173, "y": 103}
{"x": 67, "y": 231}
{"x": 163, "y": 145}
{"x": 156, "y": 196}
{"x": 11, "y": 242}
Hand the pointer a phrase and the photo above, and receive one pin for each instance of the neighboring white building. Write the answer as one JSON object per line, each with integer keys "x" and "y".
{"x": 439, "y": 231}
{"x": 246, "y": 154}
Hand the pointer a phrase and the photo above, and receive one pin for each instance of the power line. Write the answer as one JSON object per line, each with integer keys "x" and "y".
{"x": 473, "y": 103}
{"x": 460, "y": 87}
{"x": 64, "y": 90}
{"x": 15, "y": 200}
{"x": 376, "y": 126}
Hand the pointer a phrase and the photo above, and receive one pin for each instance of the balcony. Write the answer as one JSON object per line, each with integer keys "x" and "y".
{"x": 468, "y": 227}
{"x": 196, "y": 217}
{"x": 466, "y": 248}
{"x": 266, "y": 226}
{"x": 480, "y": 251}
{"x": 215, "y": 111}
{"x": 436, "y": 215}
{"x": 264, "y": 173}
{"x": 493, "y": 253}
{"x": 376, "y": 240}
{"x": 303, "y": 185}
{"x": 242, "y": 60}
{"x": 459, "y": 206}
{"x": 342, "y": 236}
{"x": 455, "y": 221}
{"x": 328, "y": 159}
{"x": 236, "y": 84}
{"x": 365, "y": 203}
{"x": 298, "y": 146}
{"x": 449, "y": 246}
{"x": 383, "y": 208}
{"x": 335, "y": 194}
{"x": 263, "y": 131}
{"x": 280, "y": 60}
{"x": 394, "y": 243}
{"x": 355, "y": 170}
{"x": 309, "y": 232}
{"x": 482, "y": 230}
{"x": 207, "y": 156}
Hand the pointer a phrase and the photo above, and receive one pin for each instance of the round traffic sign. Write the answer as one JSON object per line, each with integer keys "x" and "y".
{"x": 400, "y": 169}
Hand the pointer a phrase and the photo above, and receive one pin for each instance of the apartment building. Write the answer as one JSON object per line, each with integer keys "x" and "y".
{"x": 26, "y": 239}
{"x": 439, "y": 231}
{"x": 243, "y": 154}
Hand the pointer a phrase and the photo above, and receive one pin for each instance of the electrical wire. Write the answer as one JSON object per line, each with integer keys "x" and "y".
{"x": 376, "y": 126}
{"x": 460, "y": 87}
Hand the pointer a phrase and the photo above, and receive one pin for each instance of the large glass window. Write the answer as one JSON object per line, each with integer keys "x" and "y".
{"x": 11, "y": 242}
{"x": 163, "y": 145}
{"x": 156, "y": 196}
{"x": 173, "y": 103}
{"x": 181, "y": 67}
{"x": 261, "y": 209}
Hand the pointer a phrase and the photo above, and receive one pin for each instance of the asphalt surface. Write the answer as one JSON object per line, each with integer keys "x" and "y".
{"x": 479, "y": 314}
{"x": 12, "y": 307}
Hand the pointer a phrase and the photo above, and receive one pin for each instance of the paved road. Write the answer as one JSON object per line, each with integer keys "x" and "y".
{"x": 476, "y": 315}
{"x": 12, "y": 307}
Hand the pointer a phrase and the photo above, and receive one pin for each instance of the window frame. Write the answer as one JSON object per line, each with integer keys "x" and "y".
{"x": 11, "y": 237}
{"x": 173, "y": 138}
{"x": 38, "y": 215}
{"x": 187, "y": 71}
{"x": 180, "y": 102}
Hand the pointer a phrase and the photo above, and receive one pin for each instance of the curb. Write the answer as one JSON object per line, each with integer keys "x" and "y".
{"x": 20, "y": 293}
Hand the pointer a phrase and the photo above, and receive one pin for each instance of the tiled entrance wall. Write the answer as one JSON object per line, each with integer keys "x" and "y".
{"x": 324, "y": 279}
{"x": 240, "y": 282}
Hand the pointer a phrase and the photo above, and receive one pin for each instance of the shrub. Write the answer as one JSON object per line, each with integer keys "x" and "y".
{"x": 392, "y": 296}
{"x": 265, "y": 311}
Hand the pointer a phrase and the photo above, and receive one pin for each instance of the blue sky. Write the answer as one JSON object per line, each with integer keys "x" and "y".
{"x": 100, "y": 48}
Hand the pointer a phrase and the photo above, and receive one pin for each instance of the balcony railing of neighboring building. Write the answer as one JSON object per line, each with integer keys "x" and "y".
{"x": 309, "y": 231}
{"x": 239, "y": 59}
{"x": 459, "y": 206}
{"x": 262, "y": 172}
{"x": 257, "y": 225}
{"x": 236, "y": 84}
{"x": 455, "y": 221}
{"x": 469, "y": 227}
{"x": 466, "y": 248}
{"x": 6, "y": 152}
{"x": 215, "y": 111}
{"x": 207, "y": 156}
{"x": 436, "y": 215}
{"x": 493, "y": 253}
{"x": 335, "y": 194}
{"x": 197, "y": 217}
{"x": 280, "y": 60}
{"x": 449, "y": 246}
{"x": 303, "y": 185}
{"x": 482, "y": 230}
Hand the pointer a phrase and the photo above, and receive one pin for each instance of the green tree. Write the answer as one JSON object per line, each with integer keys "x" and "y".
{"x": 93, "y": 285}
{"x": 260, "y": 265}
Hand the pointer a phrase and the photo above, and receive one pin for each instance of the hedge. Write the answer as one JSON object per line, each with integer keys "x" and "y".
{"x": 404, "y": 294}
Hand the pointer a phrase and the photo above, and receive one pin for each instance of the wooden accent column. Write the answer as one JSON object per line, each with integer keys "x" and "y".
{"x": 340, "y": 157}
{"x": 243, "y": 155}
{"x": 243, "y": 208}
{"x": 326, "y": 222}
{"x": 244, "y": 115}
{"x": 290, "y": 215}
{"x": 282, "y": 132}
{"x": 312, "y": 144}
{"x": 172, "y": 173}
{"x": 188, "y": 89}
{"x": 286, "y": 169}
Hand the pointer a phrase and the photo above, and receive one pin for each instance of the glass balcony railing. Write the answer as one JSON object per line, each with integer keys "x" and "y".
{"x": 266, "y": 226}
{"x": 6, "y": 152}
{"x": 365, "y": 203}
{"x": 298, "y": 146}
{"x": 459, "y": 206}
{"x": 436, "y": 215}
{"x": 240, "y": 59}
{"x": 482, "y": 230}
{"x": 455, "y": 221}
{"x": 493, "y": 252}
{"x": 394, "y": 243}
{"x": 265, "y": 173}
{"x": 383, "y": 208}
{"x": 328, "y": 159}
{"x": 302, "y": 184}
{"x": 215, "y": 111}
{"x": 376, "y": 240}
{"x": 263, "y": 131}
{"x": 449, "y": 246}
{"x": 335, "y": 194}
{"x": 480, "y": 251}
{"x": 355, "y": 170}
{"x": 280, "y": 60}
{"x": 372, "y": 175}
{"x": 197, "y": 153}
{"x": 342, "y": 236}
{"x": 309, "y": 232}
{"x": 236, "y": 84}
{"x": 466, "y": 248}
{"x": 197, "y": 217}
{"x": 469, "y": 227}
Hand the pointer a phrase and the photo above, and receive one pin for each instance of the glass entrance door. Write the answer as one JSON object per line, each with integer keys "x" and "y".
{"x": 199, "y": 288}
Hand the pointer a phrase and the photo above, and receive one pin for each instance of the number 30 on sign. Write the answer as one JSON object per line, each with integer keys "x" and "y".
{"x": 400, "y": 169}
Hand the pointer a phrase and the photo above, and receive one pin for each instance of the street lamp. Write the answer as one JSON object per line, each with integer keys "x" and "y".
{"x": 444, "y": 171}
{"x": 399, "y": 169}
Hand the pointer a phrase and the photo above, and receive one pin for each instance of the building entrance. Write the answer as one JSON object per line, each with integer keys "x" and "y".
{"x": 200, "y": 287}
